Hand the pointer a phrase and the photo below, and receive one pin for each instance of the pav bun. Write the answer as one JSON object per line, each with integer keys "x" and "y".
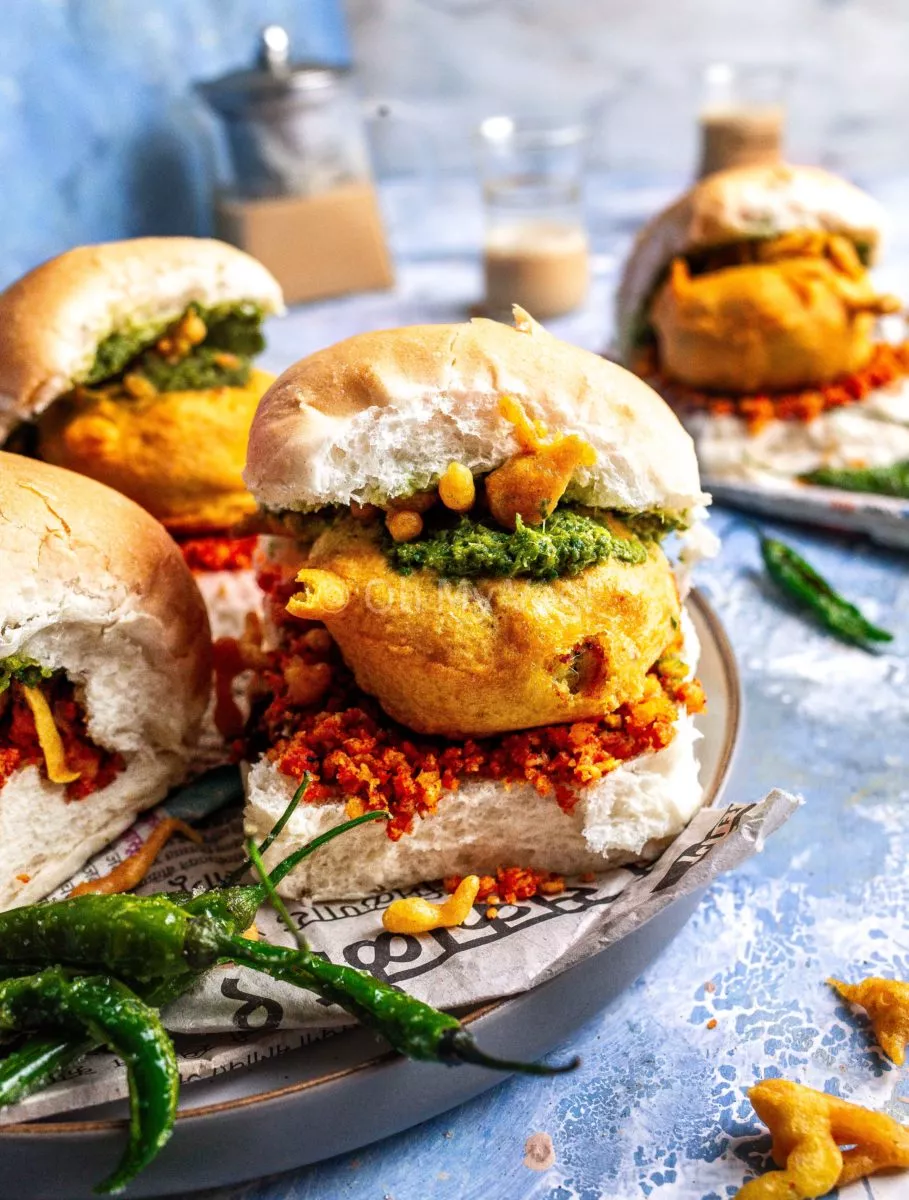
{"x": 53, "y": 319}
{"x": 92, "y": 585}
{"x": 383, "y": 415}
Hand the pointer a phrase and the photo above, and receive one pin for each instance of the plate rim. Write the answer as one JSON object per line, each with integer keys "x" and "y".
{"x": 75, "y": 1128}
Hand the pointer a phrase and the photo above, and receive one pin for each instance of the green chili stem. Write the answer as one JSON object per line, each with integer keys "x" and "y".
{"x": 277, "y": 903}
{"x": 460, "y": 1045}
{"x": 236, "y": 875}
{"x": 284, "y": 868}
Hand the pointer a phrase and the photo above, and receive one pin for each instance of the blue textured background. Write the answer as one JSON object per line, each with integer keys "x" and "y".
{"x": 100, "y": 136}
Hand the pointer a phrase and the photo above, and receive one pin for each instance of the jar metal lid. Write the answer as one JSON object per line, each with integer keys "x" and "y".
{"x": 275, "y": 77}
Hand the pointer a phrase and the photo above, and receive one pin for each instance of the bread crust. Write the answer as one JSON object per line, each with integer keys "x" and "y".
{"x": 58, "y": 528}
{"x": 384, "y": 413}
{"x": 53, "y": 319}
{"x": 627, "y": 816}
{"x": 737, "y": 205}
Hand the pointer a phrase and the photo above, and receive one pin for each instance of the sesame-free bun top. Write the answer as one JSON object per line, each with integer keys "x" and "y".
{"x": 741, "y": 204}
{"x": 383, "y": 414}
{"x": 53, "y": 319}
{"x": 94, "y": 585}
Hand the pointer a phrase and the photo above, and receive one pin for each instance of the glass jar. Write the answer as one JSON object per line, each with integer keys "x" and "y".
{"x": 536, "y": 250}
{"x": 293, "y": 128}
{"x": 741, "y": 116}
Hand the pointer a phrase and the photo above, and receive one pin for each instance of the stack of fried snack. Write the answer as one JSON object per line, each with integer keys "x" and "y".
{"x": 131, "y": 362}
{"x": 486, "y": 637}
{"x": 747, "y": 303}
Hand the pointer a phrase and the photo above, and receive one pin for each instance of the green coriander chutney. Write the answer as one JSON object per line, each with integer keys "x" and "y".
{"x": 564, "y": 545}
{"x": 23, "y": 670}
{"x": 234, "y": 329}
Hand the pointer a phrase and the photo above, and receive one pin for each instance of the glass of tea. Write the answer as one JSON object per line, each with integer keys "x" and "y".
{"x": 535, "y": 250}
{"x": 741, "y": 115}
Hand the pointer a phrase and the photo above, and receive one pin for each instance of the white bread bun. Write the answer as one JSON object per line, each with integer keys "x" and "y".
{"x": 874, "y": 433}
{"x": 628, "y": 816}
{"x": 230, "y": 596}
{"x": 738, "y": 205}
{"x": 383, "y": 414}
{"x": 93, "y": 585}
{"x": 53, "y": 319}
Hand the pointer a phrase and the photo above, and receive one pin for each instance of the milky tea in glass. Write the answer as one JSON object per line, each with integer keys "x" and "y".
{"x": 535, "y": 250}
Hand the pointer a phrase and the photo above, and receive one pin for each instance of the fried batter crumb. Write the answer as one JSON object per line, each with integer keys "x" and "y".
{"x": 511, "y": 884}
{"x": 886, "y": 1001}
{"x": 820, "y": 1142}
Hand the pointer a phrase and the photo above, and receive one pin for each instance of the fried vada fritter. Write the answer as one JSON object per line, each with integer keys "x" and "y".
{"x": 488, "y": 656}
{"x": 178, "y": 454}
{"x": 766, "y": 326}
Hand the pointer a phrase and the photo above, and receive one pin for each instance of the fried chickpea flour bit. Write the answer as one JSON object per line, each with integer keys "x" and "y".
{"x": 43, "y": 724}
{"x": 886, "y": 1001}
{"x": 530, "y": 484}
{"x": 820, "y": 1142}
{"x": 413, "y": 914}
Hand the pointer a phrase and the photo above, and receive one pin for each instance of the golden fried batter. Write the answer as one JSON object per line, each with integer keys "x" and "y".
{"x": 809, "y": 1128}
{"x": 766, "y": 326}
{"x": 530, "y": 484}
{"x": 178, "y": 454}
{"x": 488, "y": 656}
{"x": 886, "y": 1001}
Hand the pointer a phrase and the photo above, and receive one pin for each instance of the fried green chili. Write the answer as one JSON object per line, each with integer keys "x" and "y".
{"x": 791, "y": 573}
{"x": 36, "y": 1063}
{"x": 106, "y": 1010}
{"x": 881, "y": 481}
{"x": 160, "y": 944}
{"x": 413, "y": 1028}
{"x": 32, "y": 1066}
{"x": 144, "y": 939}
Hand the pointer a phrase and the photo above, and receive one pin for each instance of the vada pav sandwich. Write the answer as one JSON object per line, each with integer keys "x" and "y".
{"x": 748, "y": 305}
{"x": 132, "y": 362}
{"x": 104, "y": 671}
{"x": 476, "y": 625}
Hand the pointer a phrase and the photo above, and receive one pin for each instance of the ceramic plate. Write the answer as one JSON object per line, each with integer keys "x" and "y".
{"x": 340, "y": 1093}
{"x": 885, "y": 519}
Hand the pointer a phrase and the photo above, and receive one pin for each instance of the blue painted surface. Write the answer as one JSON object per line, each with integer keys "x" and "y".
{"x": 100, "y": 136}
{"x": 658, "y": 1108}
